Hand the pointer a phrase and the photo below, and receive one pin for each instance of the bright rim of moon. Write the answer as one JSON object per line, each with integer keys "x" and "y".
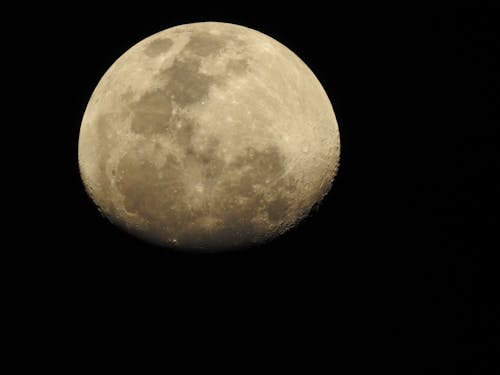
{"x": 208, "y": 136}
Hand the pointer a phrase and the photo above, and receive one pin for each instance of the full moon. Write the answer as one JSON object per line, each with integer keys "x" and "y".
{"x": 208, "y": 136}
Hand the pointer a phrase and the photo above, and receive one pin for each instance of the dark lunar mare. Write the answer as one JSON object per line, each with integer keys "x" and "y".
{"x": 158, "y": 195}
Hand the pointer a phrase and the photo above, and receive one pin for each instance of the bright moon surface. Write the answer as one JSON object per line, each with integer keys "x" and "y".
{"x": 208, "y": 136}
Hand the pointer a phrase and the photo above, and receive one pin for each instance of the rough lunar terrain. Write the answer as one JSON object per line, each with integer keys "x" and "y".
{"x": 208, "y": 136}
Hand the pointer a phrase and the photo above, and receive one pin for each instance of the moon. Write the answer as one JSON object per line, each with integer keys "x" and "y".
{"x": 208, "y": 136}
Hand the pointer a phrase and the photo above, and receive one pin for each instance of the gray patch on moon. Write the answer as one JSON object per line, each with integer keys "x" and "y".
{"x": 152, "y": 113}
{"x": 183, "y": 131}
{"x": 238, "y": 66}
{"x": 158, "y": 46}
{"x": 205, "y": 44}
{"x": 205, "y": 157}
{"x": 277, "y": 209}
{"x": 206, "y": 152}
{"x": 186, "y": 83}
{"x": 153, "y": 194}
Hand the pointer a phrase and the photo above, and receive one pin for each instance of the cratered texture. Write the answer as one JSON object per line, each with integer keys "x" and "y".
{"x": 208, "y": 136}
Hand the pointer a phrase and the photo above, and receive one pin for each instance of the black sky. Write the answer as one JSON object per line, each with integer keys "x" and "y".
{"x": 397, "y": 268}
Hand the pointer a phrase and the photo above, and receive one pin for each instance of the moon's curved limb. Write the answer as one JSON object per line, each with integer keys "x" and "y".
{"x": 208, "y": 135}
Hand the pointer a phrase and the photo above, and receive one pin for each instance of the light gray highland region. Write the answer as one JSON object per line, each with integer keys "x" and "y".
{"x": 208, "y": 136}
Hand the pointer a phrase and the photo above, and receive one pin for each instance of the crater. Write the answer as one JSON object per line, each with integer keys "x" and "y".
{"x": 158, "y": 46}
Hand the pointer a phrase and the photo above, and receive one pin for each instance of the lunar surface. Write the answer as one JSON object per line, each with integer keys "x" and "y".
{"x": 208, "y": 136}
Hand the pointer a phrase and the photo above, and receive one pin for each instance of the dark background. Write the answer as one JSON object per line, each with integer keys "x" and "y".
{"x": 397, "y": 268}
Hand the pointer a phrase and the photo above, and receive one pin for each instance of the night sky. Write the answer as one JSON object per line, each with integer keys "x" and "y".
{"x": 394, "y": 271}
